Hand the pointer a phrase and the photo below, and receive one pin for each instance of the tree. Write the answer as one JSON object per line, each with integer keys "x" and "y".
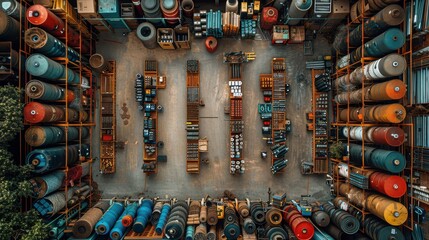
{"x": 10, "y": 113}
{"x": 14, "y": 185}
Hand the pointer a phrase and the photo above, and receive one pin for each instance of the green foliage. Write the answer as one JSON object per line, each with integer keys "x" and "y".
{"x": 337, "y": 150}
{"x": 10, "y": 113}
{"x": 14, "y": 184}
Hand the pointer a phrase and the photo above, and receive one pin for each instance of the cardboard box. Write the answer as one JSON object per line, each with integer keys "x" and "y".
{"x": 86, "y": 6}
{"x": 297, "y": 34}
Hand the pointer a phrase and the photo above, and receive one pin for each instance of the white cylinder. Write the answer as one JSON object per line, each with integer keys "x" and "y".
{"x": 343, "y": 170}
{"x": 231, "y": 6}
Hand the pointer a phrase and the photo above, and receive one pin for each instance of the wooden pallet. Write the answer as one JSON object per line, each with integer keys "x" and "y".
{"x": 148, "y": 234}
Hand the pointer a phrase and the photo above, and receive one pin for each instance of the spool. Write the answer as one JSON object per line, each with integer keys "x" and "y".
{"x": 392, "y": 136}
{"x": 390, "y": 161}
{"x": 118, "y": 229}
{"x": 190, "y": 230}
{"x": 36, "y": 89}
{"x": 152, "y": 11}
{"x": 146, "y": 32}
{"x": 211, "y": 44}
{"x": 231, "y": 6}
{"x": 203, "y": 214}
{"x": 156, "y": 213}
{"x": 12, "y": 8}
{"x": 170, "y": 10}
{"x": 390, "y": 185}
{"x": 277, "y": 233}
{"x": 333, "y": 231}
{"x": 200, "y": 232}
{"x": 249, "y": 226}
{"x": 9, "y": 28}
{"x": 377, "y": 229}
{"x": 99, "y": 64}
{"x": 40, "y": 66}
{"x": 48, "y": 159}
{"x": 42, "y": 17}
{"x": 85, "y": 225}
{"x": 298, "y": 9}
{"x": 163, "y": 218}
{"x": 52, "y": 204}
{"x": 243, "y": 209}
{"x": 130, "y": 213}
{"x": 49, "y": 183}
{"x": 269, "y": 17}
{"x": 188, "y": 7}
{"x": 143, "y": 216}
{"x": 320, "y": 218}
{"x": 45, "y": 43}
{"x": 37, "y": 136}
{"x": 35, "y": 112}
{"x": 389, "y": 113}
{"x": 302, "y": 229}
{"x": 105, "y": 224}
{"x": 211, "y": 235}
{"x": 274, "y": 217}
{"x": 212, "y": 217}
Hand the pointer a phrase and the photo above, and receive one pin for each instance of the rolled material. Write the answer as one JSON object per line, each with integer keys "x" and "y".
{"x": 9, "y": 28}
{"x": 385, "y": 91}
{"x": 170, "y": 11}
{"x": 243, "y": 209}
{"x": 200, "y": 232}
{"x": 390, "y": 211}
{"x": 231, "y": 227}
{"x": 203, "y": 214}
{"x": 298, "y": 9}
{"x": 391, "y": 136}
{"x": 249, "y": 226}
{"x": 99, "y": 64}
{"x": 118, "y": 229}
{"x": 190, "y": 230}
{"x": 46, "y": 184}
{"x": 36, "y": 89}
{"x": 146, "y": 32}
{"x": 105, "y": 224}
{"x": 211, "y": 44}
{"x": 43, "y": 42}
{"x": 391, "y": 161}
{"x": 175, "y": 227}
{"x": 274, "y": 217}
{"x": 48, "y": 159}
{"x": 276, "y": 233}
{"x": 53, "y": 203}
{"x": 377, "y": 229}
{"x": 389, "y": 113}
{"x": 41, "y": 66}
{"x": 156, "y": 213}
{"x": 86, "y": 224}
{"x": 335, "y": 232}
{"x": 152, "y": 11}
{"x": 163, "y": 218}
{"x": 40, "y": 16}
{"x": 257, "y": 213}
{"x": 391, "y": 65}
{"x": 38, "y": 136}
{"x": 320, "y": 218}
{"x": 188, "y": 7}
{"x": 211, "y": 235}
{"x": 35, "y": 112}
{"x": 143, "y": 216}
{"x": 129, "y": 214}
{"x": 343, "y": 220}
{"x": 302, "y": 229}
{"x": 390, "y": 185}
{"x": 269, "y": 17}
{"x": 385, "y": 43}
{"x": 212, "y": 217}
{"x": 390, "y": 16}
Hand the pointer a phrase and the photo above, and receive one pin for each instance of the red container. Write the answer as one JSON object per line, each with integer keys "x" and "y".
{"x": 392, "y": 136}
{"x": 390, "y": 185}
{"x": 302, "y": 229}
{"x": 267, "y": 123}
{"x": 267, "y": 99}
{"x": 269, "y": 17}
{"x": 171, "y": 13}
{"x": 107, "y": 137}
{"x": 211, "y": 44}
{"x": 35, "y": 112}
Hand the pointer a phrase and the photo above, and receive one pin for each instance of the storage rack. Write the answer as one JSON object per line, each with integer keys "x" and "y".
{"x": 236, "y": 124}
{"x": 319, "y": 136}
{"x": 108, "y": 121}
{"x": 152, "y": 82}
{"x": 64, "y": 11}
{"x": 192, "y": 119}
{"x": 337, "y": 124}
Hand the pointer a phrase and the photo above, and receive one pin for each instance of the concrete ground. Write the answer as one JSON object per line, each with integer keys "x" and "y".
{"x": 214, "y": 177}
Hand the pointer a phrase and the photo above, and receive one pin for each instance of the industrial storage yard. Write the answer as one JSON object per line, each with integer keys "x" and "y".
{"x": 205, "y": 120}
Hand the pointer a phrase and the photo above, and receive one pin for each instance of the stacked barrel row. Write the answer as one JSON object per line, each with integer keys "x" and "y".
{"x": 369, "y": 93}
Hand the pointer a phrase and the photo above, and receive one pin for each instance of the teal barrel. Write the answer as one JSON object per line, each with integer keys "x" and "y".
{"x": 43, "y": 42}
{"x": 385, "y": 43}
{"x": 41, "y": 66}
{"x": 48, "y": 159}
{"x": 36, "y": 89}
{"x": 107, "y": 221}
{"x": 40, "y": 136}
{"x": 391, "y": 161}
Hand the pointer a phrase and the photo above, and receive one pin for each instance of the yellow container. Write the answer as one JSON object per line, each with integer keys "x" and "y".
{"x": 220, "y": 211}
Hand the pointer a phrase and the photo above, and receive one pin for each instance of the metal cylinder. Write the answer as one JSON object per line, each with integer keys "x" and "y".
{"x": 48, "y": 159}
{"x": 390, "y": 16}
{"x": 45, "y": 43}
{"x": 152, "y": 11}
{"x": 188, "y": 7}
{"x": 171, "y": 11}
{"x": 320, "y": 218}
{"x": 146, "y": 32}
{"x": 12, "y": 8}
{"x": 35, "y": 112}
{"x": 389, "y": 66}
{"x": 298, "y": 9}
{"x": 385, "y": 43}
{"x": 105, "y": 224}
{"x": 377, "y": 229}
{"x": 46, "y": 184}
{"x": 231, "y": 6}
{"x": 36, "y": 89}
{"x": 99, "y": 64}
{"x": 389, "y": 113}
{"x": 9, "y": 28}
{"x": 385, "y": 91}
{"x": 390, "y": 185}
{"x": 391, "y": 161}
{"x": 300, "y": 226}
{"x": 143, "y": 216}
{"x": 38, "y": 136}
{"x": 86, "y": 224}
{"x": 40, "y": 66}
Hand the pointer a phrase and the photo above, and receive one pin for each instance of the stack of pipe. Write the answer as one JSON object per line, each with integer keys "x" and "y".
{"x": 43, "y": 42}
{"x": 394, "y": 213}
{"x": 47, "y": 20}
{"x": 214, "y": 24}
{"x": 391, "y": 161}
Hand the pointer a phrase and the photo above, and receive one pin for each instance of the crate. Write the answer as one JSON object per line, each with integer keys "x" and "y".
{"x": 203, "y": 145}
{"x": 165, "y": 38}
{"x": 236, "y": 108}
{"x": 266, "y": 81}
{"x": 280, "y": 34}
{"x": 297, "y": 34}
{"x": 182, "y": 37}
